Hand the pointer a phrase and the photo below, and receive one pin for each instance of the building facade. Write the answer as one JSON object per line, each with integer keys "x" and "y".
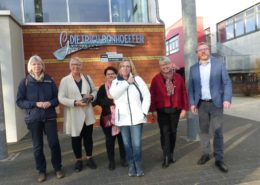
{"x": 99, "y": 32}
{"x": 175, "y": 43}
{"x": 238, "y": 41}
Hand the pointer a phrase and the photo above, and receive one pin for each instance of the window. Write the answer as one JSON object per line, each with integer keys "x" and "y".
{"x": 172, "y": 45}
{"x": 54, "y": 11}
{"x": 258, "y": 16}
{"x": 129, "y": 11}
{"x": 89, "y": 11}
{"x": 78, "y": 10}
{"x": 250, "y": 20}
{"x": 229, "y": 29}
{"x": 14, "y": 6}
{"x": 45, "y": 11}
{"x": 239, "y": 24}
{"x": 243, "y": 23}
{"x": 167, "y": 48}
{"x": 222, "y": 31}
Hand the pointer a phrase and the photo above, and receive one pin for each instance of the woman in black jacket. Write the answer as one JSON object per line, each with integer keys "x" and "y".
{"x": 37, "y": 94}
{"x": 107, "y": 119}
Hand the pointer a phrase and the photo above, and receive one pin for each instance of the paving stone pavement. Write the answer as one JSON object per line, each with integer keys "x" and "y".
{"x": 242, "y": 155}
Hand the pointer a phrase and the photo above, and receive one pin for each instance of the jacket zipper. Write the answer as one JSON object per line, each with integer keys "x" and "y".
{"x": 129, "y": 107}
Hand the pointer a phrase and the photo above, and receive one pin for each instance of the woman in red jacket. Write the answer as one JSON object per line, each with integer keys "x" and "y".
{"x": 169, "y": 103}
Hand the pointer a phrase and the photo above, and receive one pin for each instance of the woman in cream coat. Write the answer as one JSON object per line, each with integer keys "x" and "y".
{"x": 76, "y": 92}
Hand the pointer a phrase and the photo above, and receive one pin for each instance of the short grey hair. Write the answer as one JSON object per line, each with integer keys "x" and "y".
{"x": 75, "y": 59}
{"x": 164, "y": 59}
{"x": 33, "y": 59}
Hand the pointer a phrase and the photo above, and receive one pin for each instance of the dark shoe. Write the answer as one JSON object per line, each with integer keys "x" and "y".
{"x": 111, "y": 165}
{"x": 78, "y": 166}
{"x": 166, "y": 162}
{"x": 123, "y": 162}
{"x": 42, "y": 177}
{"x": 91, "y": 163}
{"x": 204, "y": 158}
{"x": 221, "y": 166}
{"x": 172, "y": 160}
{"x": 59, "y": 174}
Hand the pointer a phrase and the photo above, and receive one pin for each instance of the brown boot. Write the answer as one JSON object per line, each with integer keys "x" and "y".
{"x": 59, "y": 174}
{"x": 42, "y": 177}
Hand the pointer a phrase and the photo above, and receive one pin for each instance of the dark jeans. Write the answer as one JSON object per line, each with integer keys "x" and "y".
{"x": 209, "y": 114}
{"x": 86, "y": 135}
{"x": 37, "y": 130}
{"x": 110, "y": 143}
{"x": 168, "y": 123}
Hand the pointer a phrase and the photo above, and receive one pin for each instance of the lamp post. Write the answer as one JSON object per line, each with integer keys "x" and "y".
{"x": 190, "y": 43}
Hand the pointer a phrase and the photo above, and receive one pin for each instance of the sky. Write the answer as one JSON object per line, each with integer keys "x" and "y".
{"x": 213, "y": 11}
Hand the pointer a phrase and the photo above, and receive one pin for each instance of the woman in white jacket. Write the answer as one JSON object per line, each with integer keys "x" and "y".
{"x": 132, "y": 100}
{"x": 76, "y": 92}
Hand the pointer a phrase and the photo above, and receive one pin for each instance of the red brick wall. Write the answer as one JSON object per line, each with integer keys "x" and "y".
{"x": 44, "y": 40}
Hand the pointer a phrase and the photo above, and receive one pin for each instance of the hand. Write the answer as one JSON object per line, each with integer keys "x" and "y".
{"x": 39, "y": 104}
{"x": 80, "y": 103}
{"x": 46, "y": 105}
{"x": 87, "y": 99}
{"x": 43, "y": 105}
{"x": 193, "y": 109}
{"x": 226, "y": 105}
{"x": 155, "y": 116}
{"x": 183, "y": 114}
{"x": 131, "y": 79}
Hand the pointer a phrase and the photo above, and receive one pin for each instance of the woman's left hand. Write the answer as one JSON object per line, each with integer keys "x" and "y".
{"x": 183, "y": 114}
{"x": 46, "y": 104}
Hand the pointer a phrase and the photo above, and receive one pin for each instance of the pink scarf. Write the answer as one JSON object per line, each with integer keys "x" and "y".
{"x": 169, "y": 82}
{"x": 115, "y": 130}
{"x": 112, "y": 107}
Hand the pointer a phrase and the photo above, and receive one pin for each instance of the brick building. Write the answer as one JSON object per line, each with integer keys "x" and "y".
{"x": 59, "y": 30}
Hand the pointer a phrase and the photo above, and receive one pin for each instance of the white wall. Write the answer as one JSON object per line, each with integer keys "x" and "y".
{"x": 13, "y": 69}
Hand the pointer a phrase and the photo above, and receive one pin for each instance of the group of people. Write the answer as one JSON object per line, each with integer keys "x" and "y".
{"x": 125, "y": 100}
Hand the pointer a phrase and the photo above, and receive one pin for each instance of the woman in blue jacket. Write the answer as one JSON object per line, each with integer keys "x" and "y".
{"x": 37, "y": 95}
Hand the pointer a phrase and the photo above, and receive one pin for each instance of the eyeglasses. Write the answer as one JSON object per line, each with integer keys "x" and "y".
{"x": 110, "y": 74}
{"x": 202, "y": 49}
{"x": 125, "y": 66}
{"x": 75, "y": 64}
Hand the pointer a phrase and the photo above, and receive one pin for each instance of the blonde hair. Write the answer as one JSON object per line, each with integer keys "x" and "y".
{"x": 35, "y": 58}
{"x": 132, "y": 66}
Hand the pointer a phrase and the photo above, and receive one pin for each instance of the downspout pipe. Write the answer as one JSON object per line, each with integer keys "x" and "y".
{"x": 157, "y": 13}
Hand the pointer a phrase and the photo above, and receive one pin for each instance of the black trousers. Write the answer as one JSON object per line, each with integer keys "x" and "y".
{"x": 110, "y": 143}
{"x": 168, "y": 123}
{"x": 37, "y": 130}
{"x": 86, "y": 135}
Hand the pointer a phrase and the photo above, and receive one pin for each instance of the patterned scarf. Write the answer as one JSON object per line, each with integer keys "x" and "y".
{"x": 38, "y": 78}
{"x": 112, "y": 107}
{"x": 115, "y": 129}
{"x": 169, "y": 82}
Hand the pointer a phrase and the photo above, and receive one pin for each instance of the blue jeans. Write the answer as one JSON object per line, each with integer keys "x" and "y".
{"x": 132, "y": 138}
{"x": 37, "y": 129}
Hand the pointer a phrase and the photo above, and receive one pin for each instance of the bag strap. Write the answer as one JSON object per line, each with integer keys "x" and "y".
{"x": 86, "y": 77}
{"x": 141, "y": 96}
